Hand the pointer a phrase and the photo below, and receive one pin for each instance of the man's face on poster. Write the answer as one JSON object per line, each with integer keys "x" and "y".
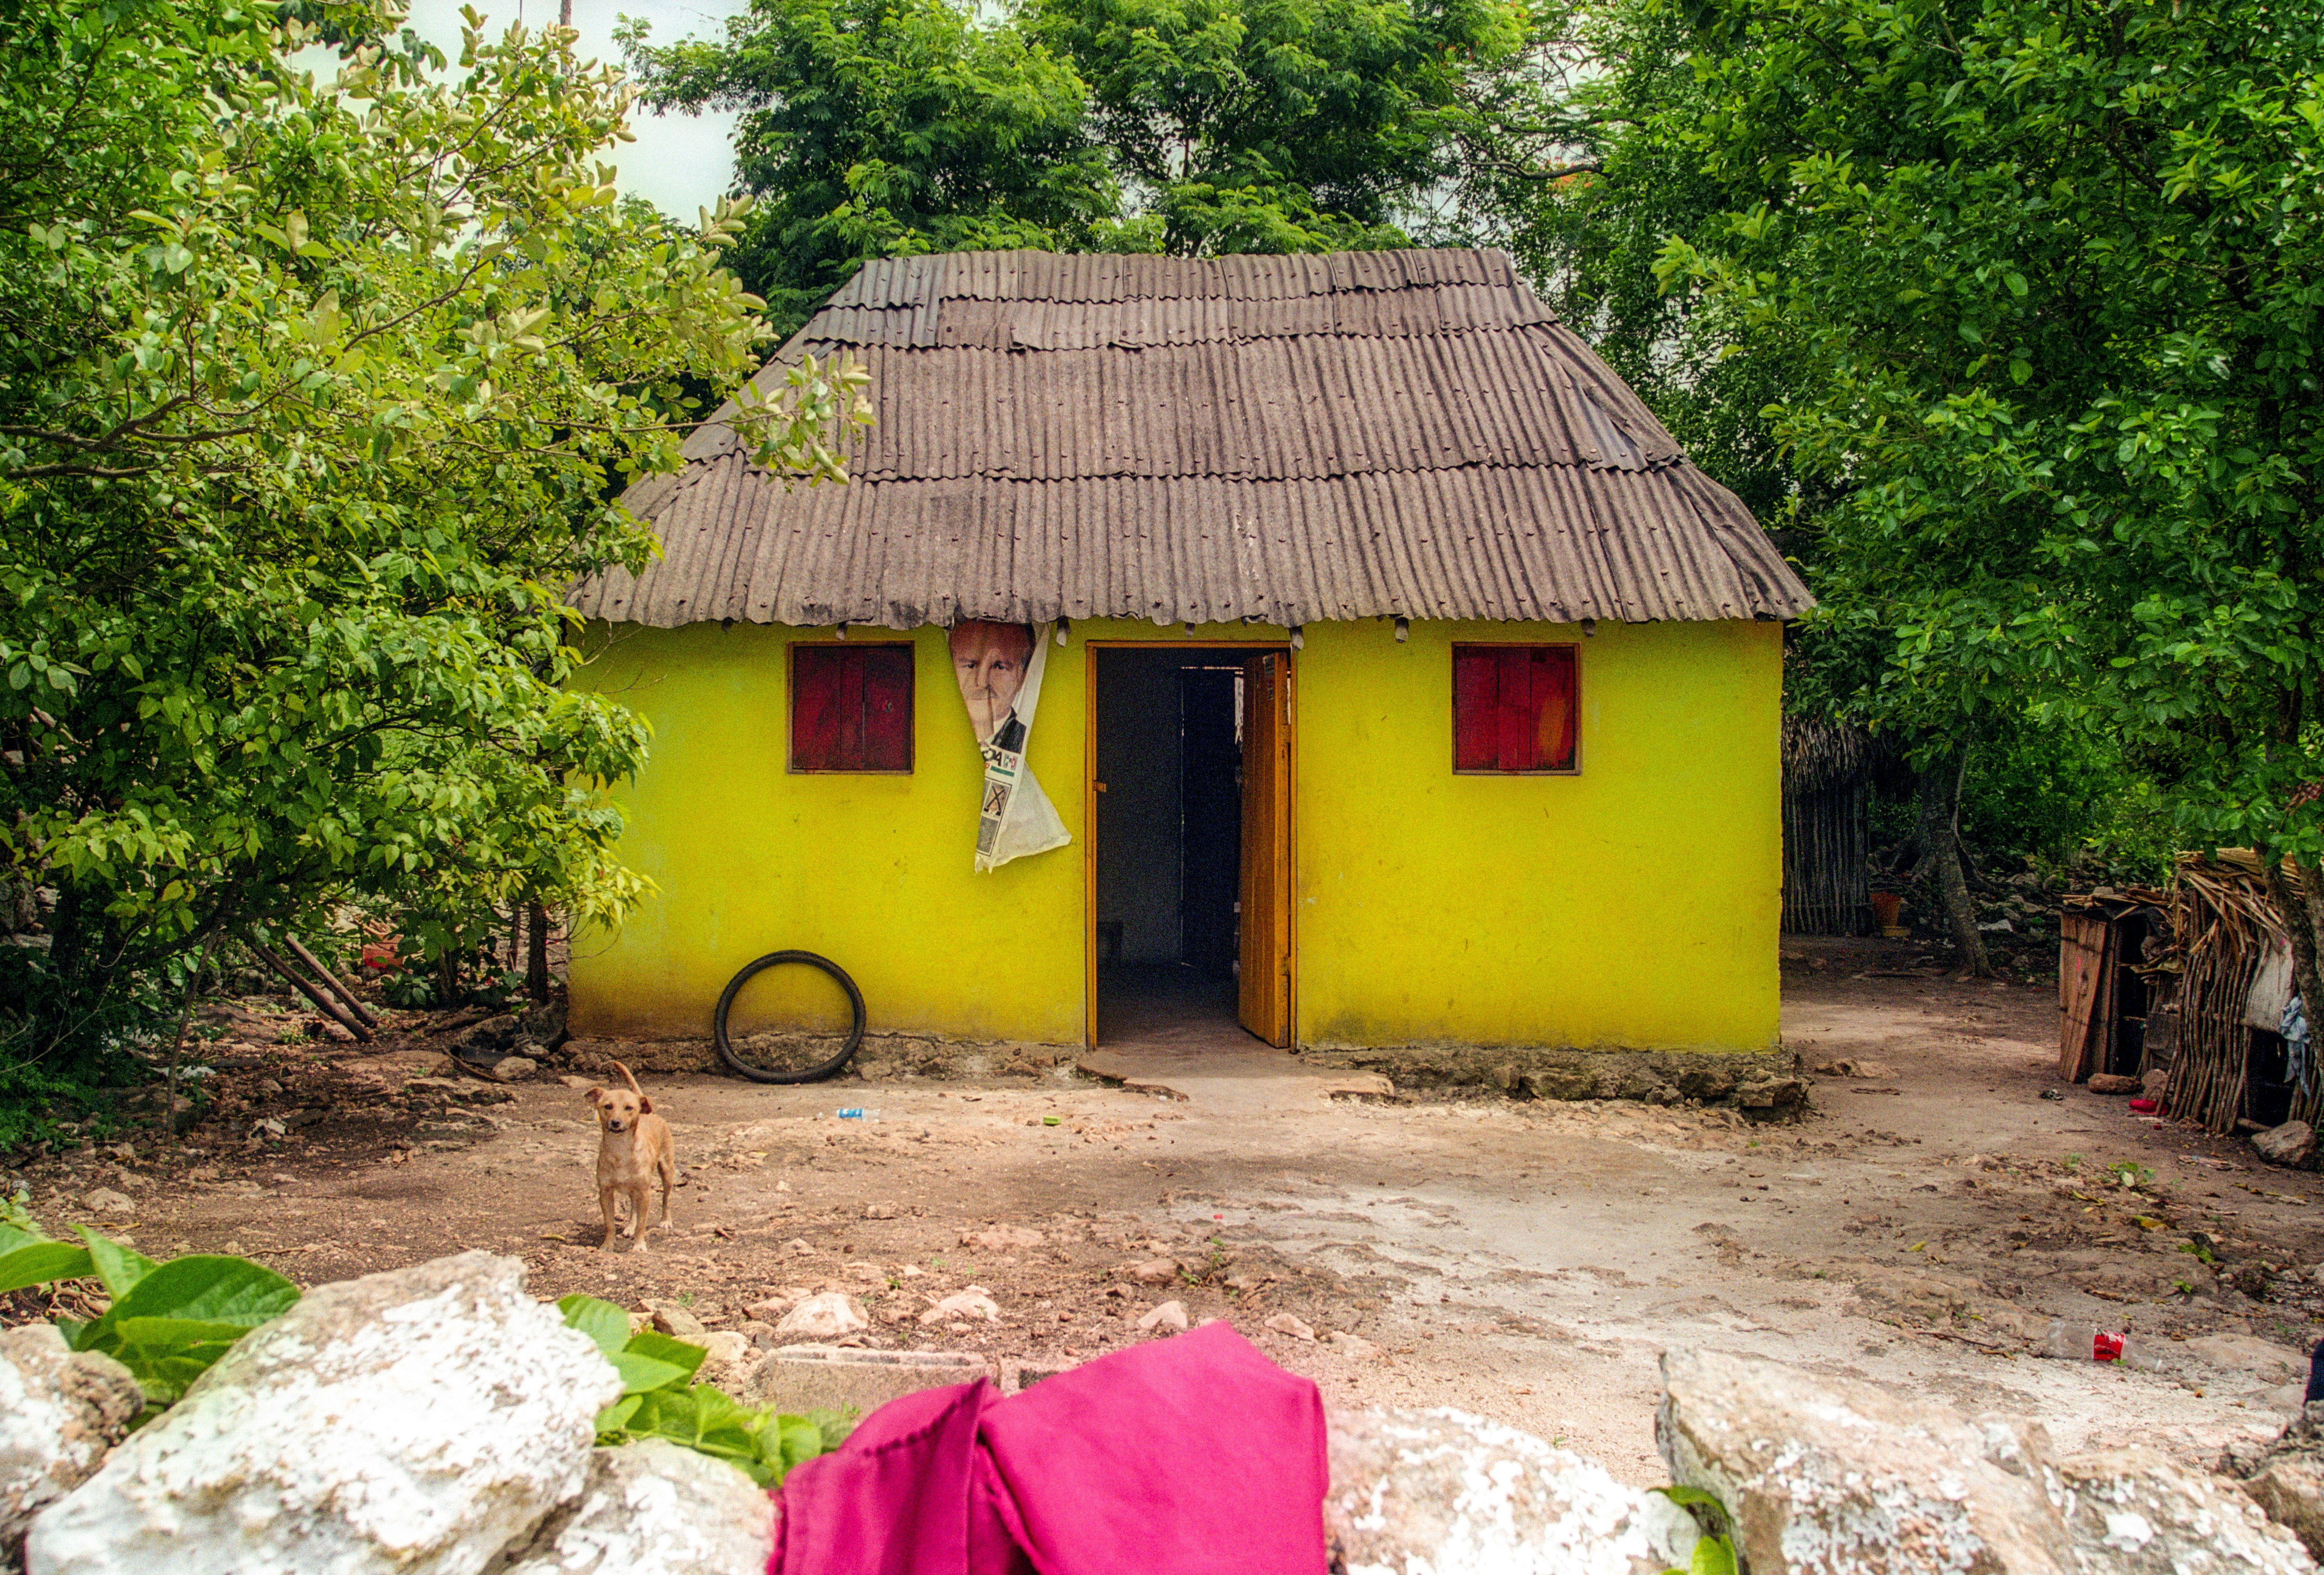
{"x": 988, "y": 659}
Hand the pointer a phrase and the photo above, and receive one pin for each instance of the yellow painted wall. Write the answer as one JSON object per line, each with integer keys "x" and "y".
{"x": 1635, "y": 904}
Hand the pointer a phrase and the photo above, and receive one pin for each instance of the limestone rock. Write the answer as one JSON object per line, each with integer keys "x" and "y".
{"x": 107, "y": 1201}
{"x": 975, "y": 1301}
{"x": 657, "y": 1508}
{"x": 2291, "y": 1491}
{"x": 815, "y": 1377}
{"x": 2131, "y": 1511}
{"x": 1154, "y": 1271}
{"x": 1169, "y": 1316}
{"x": 1444, "y": 1493}
{"x": 1826, "y": 1476}
{"x": 677, "y": 1321}
{"x": 2155, "y": 1082}
{"x": 1563, "y": 1080}
{"x": 1354, "y": 1346}
{"x": 2292, "y": 1145}
{"x": 417, "y": 1422}
{"x": 826, "y": 1316}
{"x": 1771, "y": 1094}
{"x": 515, "y": 1068}
{"x": 2113, "y": 1083}
{"x": 728, "y": 1351}
{"x": 1002, "y": 1239}
{"x": 1292, "y": 1324}
{"x": 60, "y": 1411}
{"x": 2260, "y": 1362}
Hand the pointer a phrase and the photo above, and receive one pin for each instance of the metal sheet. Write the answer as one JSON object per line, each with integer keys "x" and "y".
{"x": 1283, "y": 439}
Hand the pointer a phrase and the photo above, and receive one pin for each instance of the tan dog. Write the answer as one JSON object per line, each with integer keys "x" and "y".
{"x": 633, "y": 1145}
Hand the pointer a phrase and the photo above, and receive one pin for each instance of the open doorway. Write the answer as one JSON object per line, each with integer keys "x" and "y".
{"x": 1190, "y": 921}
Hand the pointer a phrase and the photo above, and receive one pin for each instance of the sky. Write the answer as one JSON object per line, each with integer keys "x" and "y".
{"x": 679, "y": 163}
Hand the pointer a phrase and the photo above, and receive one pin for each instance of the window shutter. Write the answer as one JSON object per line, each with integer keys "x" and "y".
{"x": 1513, "y": 708}
{"x": 1475, "y": 709}
{"x": 852, "y": 708}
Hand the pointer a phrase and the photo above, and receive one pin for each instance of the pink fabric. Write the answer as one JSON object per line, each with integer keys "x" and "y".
{"x": 1191, "y": 1455}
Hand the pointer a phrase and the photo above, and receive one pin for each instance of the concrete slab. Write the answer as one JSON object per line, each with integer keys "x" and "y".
{"x": 816, "y": 1377}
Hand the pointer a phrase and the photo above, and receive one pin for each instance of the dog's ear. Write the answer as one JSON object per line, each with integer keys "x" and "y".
{"x": 594, "y": 1095}
{"x": 645, "y": 1105}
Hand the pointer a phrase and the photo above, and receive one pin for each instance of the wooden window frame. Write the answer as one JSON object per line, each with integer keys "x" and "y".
{"x": 1453, "y": 707}
{"x": 791, "y": 701}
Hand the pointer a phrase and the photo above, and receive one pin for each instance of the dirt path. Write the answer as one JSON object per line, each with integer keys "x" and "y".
{"x": 1526, "y": 1261}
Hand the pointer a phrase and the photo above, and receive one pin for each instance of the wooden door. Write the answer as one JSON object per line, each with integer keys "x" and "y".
{"x": 2084, "y": 942}
{"x": 1264, "y": 948}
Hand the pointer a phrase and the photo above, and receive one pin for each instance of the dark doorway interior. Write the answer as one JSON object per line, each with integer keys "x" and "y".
{"x": 1169, "y": 840}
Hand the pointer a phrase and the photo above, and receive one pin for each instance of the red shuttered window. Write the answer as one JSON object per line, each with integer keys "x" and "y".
{"x": 1514, "y": 709}
{"x": 852, "y": 708}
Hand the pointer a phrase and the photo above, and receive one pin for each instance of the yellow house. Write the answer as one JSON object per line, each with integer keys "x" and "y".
{"x": 1398, "y": 679}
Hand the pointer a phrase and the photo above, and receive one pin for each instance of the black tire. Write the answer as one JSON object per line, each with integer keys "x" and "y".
{"x": 759, "y": 1074}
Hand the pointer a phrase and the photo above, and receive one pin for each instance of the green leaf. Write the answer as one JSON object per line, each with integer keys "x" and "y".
{"x": 200, "y": 1288}
{"x": 166, "y": 1355}
{"x": 796, "y": 1440}
{"x": 640, "y": 1374}
{"x": 601, "y": 1320}
{"x": 678, "y": 1353}
{"x": 120, "y": 1267}
{"x": 615, "y": 1418}
{"x": 37, "y": 1263}
{"x": 1713, "y": 1556}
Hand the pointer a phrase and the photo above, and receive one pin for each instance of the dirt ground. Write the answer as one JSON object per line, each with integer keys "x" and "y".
{"x": 1526, "y": 1261}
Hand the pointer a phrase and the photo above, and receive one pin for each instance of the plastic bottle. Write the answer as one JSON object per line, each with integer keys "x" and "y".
{"x": 2080, "y": 1342}
{"x": 857, "y": 1113}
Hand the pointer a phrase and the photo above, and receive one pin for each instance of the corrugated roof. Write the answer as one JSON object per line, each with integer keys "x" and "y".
{"x": 1285, "y": 439}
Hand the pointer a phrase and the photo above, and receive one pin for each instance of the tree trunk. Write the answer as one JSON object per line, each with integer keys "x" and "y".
{"x": 1941, "y": 849}
{"x": 536, "y": 956}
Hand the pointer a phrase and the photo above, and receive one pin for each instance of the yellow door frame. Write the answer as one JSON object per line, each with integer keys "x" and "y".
{"x": 1089, "y": 813}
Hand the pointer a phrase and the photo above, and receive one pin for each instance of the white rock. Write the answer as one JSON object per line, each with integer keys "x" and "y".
{"x": 2293, "y": 1144}
{"x": 2291, "y": 1493}
{"x": 1444, "y": 1493}
{"x": 728, "y": 1352}
{"x": 1292, "y": 1324}
{"x": 1170, "y": 1315}
{"x": 1825, "y": 1477}
{"x": 60, "y": 1412}
{"x": 975, "y": 1301}
{"x": 106, "y": 1201}
{"x": 2131, "y": 1511}
{"x": 825, "y": 1317}
{"x": 514, "y": 1067}
{"x": 2263, "y": 1361}
{"x": 657, "y": 1508}
{"x": 677, "y": 1321}
{"x": 416, "y": 1422}
{"x": 1354, "y": 1346}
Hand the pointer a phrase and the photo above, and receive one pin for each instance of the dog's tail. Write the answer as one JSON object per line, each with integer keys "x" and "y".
{"x": 629, "y": 1080}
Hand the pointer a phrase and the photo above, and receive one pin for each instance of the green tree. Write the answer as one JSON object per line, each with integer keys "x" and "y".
{"x": 885, "y": 128}
{"x": 1285, "y": 124}
{"x": 888, "y": 127}
{"x": 2054, "y": 273}
{"x": 313, "y": 402}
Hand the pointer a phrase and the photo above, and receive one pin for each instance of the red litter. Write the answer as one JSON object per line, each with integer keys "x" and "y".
{"x": 2143, "y": 1107}
{"x": 2106, "y": 1347}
